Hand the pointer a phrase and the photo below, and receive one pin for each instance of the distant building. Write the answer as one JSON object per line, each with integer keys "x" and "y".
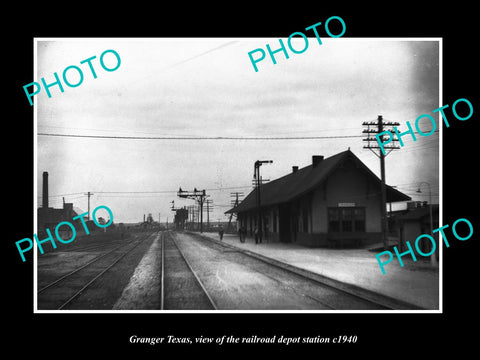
{"x": 415, "y": 223}
{"x": 181, "y": 216}
{"x": 332, "y": 202}
{"x": 49, "y": 218}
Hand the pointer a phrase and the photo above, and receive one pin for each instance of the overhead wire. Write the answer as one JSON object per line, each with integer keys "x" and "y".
{"x": 133, "y": 193}
{"x": 201, "y": 137}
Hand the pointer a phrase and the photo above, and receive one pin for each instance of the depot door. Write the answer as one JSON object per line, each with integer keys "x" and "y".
{"x": 284, "y": 223}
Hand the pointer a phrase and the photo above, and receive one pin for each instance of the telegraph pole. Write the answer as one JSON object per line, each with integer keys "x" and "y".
{"x": 88, "y": 194}
{"x": 209, "y": 209}
{"x": 256, "y": 176}
{"x": 200, "y": 216}
{"x": 377, "y": 128}
{"x": 191, "y": 214}
{"x": 234, "y": 203}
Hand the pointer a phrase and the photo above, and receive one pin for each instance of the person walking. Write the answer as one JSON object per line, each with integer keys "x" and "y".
{"x": 220, "y": 232}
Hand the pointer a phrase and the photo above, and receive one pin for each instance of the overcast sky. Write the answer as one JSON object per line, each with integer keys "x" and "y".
{"x": 208, "y": 87}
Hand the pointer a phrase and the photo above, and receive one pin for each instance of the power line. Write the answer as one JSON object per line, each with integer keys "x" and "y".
{"x": 201, "y": 137}
{"x": 169, "y": 191}
{"x": 151, "y": 192}
{"x": 150, "y": 131}
{"x": 50, "y": 196}
{"x": 137, "y": 192}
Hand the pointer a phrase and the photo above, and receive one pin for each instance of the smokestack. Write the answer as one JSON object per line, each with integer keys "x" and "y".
{"x": 45, "y": 190}
{"x": 294, "y": 169}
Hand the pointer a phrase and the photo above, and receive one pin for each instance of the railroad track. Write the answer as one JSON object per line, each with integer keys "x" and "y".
{"x": 329, "y": 293}
{"x": 181, "y": 288}
{"x": 90, "y": 247}
{"x": 62, "y": 292}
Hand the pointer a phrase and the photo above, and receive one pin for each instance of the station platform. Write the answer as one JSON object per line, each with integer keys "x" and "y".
{"x": 415, "y": 283}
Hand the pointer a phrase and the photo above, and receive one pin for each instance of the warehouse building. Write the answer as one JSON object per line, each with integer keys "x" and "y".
{"x": 335, "y": 201}
{"x": 49, "y": 218}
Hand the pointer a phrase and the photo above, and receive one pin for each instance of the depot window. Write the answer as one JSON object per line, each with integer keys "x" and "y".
{"x": 346, "y": 219}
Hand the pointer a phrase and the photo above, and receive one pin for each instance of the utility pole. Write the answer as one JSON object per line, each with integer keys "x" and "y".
{"x": 256, "y": 176}
{"x": 191, "y": 212}
{"x": 234, "y": 203}
{"x": 199, "y": 196}
{"x": 88, "y": 194}
{"x": 433, "y": 257}
{"x": 189, "y": 209}
{"x": 377, "y": 128}
{"x": 200, "y": 216}
{"x": 209, "y": 209}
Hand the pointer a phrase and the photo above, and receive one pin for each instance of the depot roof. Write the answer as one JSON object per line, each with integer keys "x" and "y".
{"x": 304, "y": 180}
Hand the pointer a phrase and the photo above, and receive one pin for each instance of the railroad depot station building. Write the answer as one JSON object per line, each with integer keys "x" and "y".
{"x": 335, "y": 201}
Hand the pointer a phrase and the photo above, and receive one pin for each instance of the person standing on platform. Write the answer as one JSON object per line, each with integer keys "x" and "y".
{"x": 242, "y": 233}
{"x": 257, "y": 235}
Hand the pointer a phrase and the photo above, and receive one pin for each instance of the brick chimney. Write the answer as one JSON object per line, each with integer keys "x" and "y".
{"x": 316, "y": 159}
{"x": 294, "y": 169}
